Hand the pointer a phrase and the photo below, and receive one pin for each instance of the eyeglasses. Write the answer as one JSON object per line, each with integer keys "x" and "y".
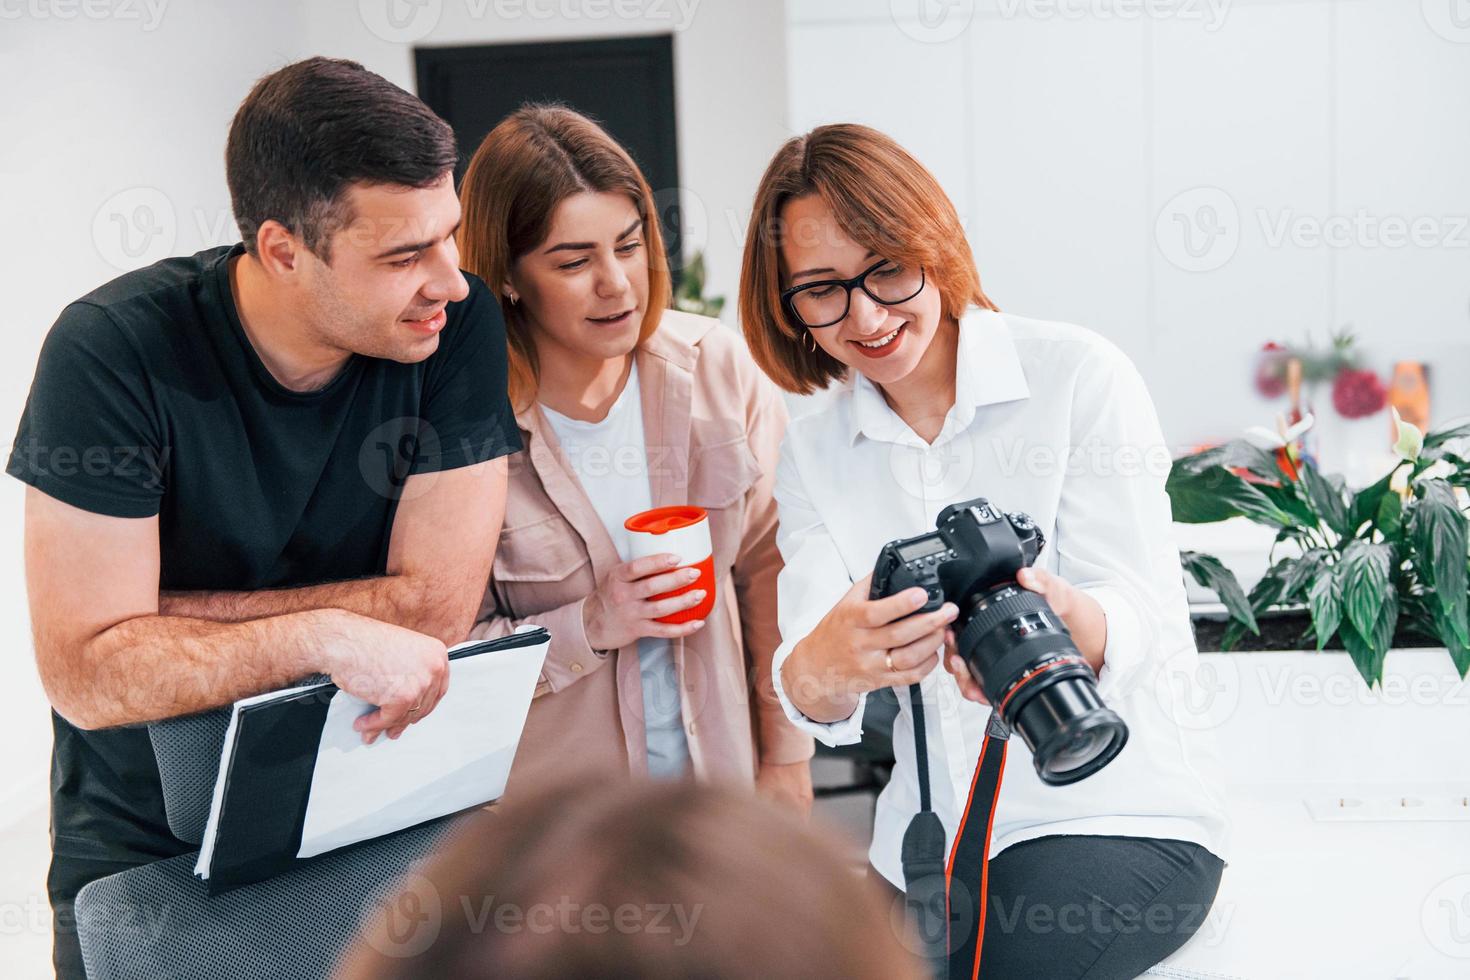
{"x": 826, "y": 301}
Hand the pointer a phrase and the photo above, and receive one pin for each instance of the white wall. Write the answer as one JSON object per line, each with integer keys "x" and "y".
{"x": 729, "y": 80}
{"x": 114, "y": 117}
{"x": 1081, "y": 138}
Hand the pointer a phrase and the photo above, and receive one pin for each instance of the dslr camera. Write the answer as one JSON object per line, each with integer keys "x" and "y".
{"x": 1013, "y": 643}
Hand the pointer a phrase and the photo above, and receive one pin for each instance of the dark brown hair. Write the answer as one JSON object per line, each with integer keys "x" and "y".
{"x": 537, "y": 157}
{"x": 758, "y": 893}
{"x": 309, "y": 130}
{"x": 885, "y": 200}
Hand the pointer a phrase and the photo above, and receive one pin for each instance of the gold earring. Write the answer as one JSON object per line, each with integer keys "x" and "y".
{"x": 811, "y": 343}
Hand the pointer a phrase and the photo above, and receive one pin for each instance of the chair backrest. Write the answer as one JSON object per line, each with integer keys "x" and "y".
{"x": 188, "y": 751}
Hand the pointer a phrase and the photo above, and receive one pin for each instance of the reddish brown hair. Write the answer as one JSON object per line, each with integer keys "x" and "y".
{"x": 773, "y": 898}
{"x": 885, "y": 200}
{"x": 537, "y": 157}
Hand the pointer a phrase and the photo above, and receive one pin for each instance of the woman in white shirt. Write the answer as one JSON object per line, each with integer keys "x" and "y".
{"x": 857, "y": 271}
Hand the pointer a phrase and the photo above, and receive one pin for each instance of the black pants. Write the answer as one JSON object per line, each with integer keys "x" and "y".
{"x": 1078, "y": 906}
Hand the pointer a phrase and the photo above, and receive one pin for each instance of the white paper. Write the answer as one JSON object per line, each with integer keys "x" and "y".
{"x": 458, "y": 757}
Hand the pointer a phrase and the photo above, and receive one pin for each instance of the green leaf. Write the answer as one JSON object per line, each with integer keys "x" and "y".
{"x": 1389, "y": 519}
{"x": 1368, "y": 650}
{"x": 1216, "y": 494}
{"x": 1211, "y": 573}
{"x": 1288, "y": 498}
{"x": 1363, "y": 574}
{"x": 1438, "y": 533}
{"x": 1326, "y": 499}
{"x": 1367, "y": 501}
{"x": 1325, "y": 600}
{"x": 1259, "y": 462}
{"x": 1297, "y": 572}
{"x": 1459, "y": 651}
{"x": 1440, "y": 436}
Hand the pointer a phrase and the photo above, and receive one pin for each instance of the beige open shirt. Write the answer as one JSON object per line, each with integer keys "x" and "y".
{"x": 712, "y": 426}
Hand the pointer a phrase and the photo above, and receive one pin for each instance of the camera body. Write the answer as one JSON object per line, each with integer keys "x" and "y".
{"x": 985, "y": 546}
{"x": 1013, "y": 643}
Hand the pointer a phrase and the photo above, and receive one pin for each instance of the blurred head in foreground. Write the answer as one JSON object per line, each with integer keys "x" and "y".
{"x": 598, "y": 879}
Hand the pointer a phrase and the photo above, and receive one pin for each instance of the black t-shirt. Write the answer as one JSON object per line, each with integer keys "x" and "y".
{"x": 149, "y": 399}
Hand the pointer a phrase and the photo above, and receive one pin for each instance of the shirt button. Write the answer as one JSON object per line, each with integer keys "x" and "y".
{"x": 576, "y": 668}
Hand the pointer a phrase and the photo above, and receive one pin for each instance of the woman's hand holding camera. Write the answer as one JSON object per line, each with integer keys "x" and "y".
{"x": 863, "y": 644}
{"x": 1080, "y": 613}
{"x": 621, "y": 610}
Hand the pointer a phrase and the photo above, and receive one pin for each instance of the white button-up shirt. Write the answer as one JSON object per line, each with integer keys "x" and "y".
{"x": 1053, "y": 420}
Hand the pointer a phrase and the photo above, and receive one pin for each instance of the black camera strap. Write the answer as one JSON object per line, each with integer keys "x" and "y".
{"x": 946, "y": 903}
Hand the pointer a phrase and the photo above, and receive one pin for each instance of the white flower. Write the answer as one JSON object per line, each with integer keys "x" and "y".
{"x": 1410, "y": 440}
{"x": 1263, "y": 438}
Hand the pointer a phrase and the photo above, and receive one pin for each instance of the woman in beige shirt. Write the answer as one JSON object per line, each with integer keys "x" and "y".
{"x": 623, "y": 405}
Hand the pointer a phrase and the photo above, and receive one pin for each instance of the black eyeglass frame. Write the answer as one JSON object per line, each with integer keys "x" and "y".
{"x": 859, "y": 281}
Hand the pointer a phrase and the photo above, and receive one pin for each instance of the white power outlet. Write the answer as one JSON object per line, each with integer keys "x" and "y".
{"x": 1356, "y": 806}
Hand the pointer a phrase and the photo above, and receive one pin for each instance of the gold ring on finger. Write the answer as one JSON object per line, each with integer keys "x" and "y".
{"x": 888, "y": 659}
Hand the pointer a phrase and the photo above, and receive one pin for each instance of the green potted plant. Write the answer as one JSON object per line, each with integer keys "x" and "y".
{"x": 1387, "y": 565}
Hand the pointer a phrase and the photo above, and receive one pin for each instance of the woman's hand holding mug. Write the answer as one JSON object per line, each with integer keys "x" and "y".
{"x": 623, "y": 610}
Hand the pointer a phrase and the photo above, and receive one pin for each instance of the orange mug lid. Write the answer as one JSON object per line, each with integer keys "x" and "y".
{"x": 661, "y": 520}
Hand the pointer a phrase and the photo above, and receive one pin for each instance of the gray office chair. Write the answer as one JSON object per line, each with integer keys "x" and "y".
{"x": 158, "y": 921}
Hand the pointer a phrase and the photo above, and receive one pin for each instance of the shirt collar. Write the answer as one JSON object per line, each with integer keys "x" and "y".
{"x": 987, "y": 372}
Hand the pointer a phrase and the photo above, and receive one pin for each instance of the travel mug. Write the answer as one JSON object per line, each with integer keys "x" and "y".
{"x": 682, "y": 531}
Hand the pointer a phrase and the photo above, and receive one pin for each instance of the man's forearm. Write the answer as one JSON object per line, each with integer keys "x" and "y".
{"x": 399, "y": 599}
{"x": 154, "y": 667}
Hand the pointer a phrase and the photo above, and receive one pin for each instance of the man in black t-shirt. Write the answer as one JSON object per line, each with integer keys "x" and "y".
{"x": 263, "y": 461}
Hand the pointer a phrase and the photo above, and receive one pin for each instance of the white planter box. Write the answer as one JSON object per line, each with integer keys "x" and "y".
{"x": 1376, "y": 887}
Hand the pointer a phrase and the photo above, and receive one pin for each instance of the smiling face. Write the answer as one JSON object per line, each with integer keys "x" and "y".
{"x": 883, "y": 342}
{"x": 584, "y": 290}
{"x": 392, "y": 270}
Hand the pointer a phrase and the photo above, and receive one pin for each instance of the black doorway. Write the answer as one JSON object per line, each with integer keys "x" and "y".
{"x": 626, "y": 84}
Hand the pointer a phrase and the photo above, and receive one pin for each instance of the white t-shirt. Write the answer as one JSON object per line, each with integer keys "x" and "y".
{"x": 610, "y": 458}
{"x": 1053, "y": 420}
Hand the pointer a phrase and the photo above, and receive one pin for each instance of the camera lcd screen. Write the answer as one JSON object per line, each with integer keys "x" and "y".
{"x": 922, "y": 548}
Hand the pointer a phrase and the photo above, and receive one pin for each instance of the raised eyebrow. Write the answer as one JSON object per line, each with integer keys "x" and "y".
{"x": 419, "y": 246}
{"x": 582, "y": 246}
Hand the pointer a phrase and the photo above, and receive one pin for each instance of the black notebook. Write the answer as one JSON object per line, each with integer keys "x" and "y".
{"x": 295, "y": 780}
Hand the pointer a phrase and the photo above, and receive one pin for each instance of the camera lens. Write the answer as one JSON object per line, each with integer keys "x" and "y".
{"x": 1024, "y": 660}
